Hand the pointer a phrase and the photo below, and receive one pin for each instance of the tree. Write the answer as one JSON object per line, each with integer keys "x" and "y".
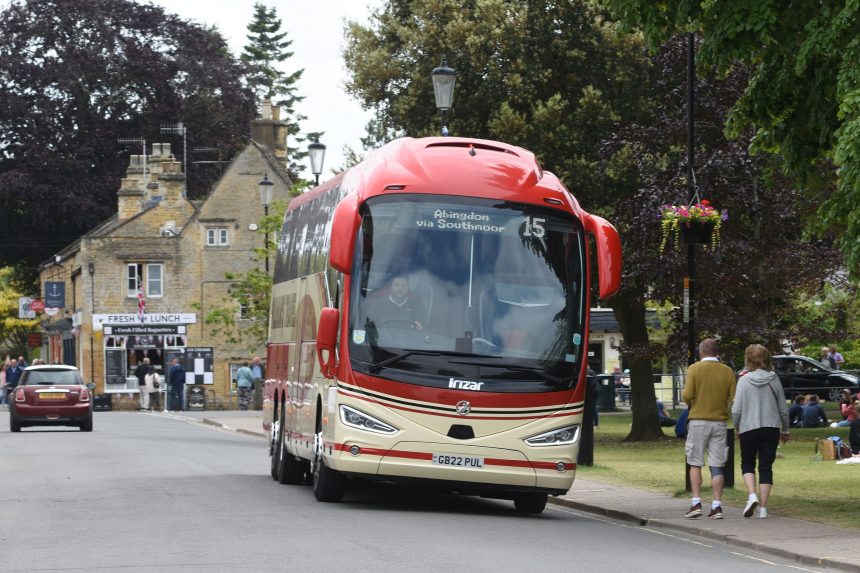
{"x": 79, "y": 74}
{"x": 801, "y": 100}
{"x": 557, "y": 78}
{"x": 13, "y": 330}
{"x": 266, "y": 51}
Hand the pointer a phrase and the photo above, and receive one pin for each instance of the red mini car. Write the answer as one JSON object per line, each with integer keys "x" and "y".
{"x": 51, "y": 395}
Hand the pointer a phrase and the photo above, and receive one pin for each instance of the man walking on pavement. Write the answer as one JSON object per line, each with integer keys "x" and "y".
{"x": 244, "y": 385}
{"x": 708, "y": 391}
{"x": 176, "y": 382}
{"x": 257, "y": 369}
{"x": 140, "y": 372}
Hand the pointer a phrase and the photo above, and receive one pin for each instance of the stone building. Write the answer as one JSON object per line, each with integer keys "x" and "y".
{"x": 172, "y": 252}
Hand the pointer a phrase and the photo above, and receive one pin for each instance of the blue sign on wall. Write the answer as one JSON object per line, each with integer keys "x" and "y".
{"x": 55, "y": 294}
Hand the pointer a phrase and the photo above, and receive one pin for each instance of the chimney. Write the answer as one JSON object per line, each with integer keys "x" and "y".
{"x": 171, "y": 182}
{"x": 270, "y": 131}
{"x": 129, "y": 198}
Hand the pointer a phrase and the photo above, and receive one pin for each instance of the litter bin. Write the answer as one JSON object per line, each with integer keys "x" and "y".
{"x": 606, "y": 392}
{"x": 196, "y": 398}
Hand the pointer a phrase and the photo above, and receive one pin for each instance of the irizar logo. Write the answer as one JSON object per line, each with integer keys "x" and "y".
{"x": 464, "y": 384}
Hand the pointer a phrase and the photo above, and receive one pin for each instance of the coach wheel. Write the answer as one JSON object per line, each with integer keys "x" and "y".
{"x": 329, "y": 485}
{"x": 530, "y": 502}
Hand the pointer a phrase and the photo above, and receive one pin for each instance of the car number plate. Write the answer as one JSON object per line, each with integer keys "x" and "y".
{"x": 458, "y": 461}
{"x": 51, "y": 395}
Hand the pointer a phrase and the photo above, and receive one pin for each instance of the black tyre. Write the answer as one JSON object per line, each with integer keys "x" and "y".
{"x": 530, "y": 502}
{"x": 277, "y": 446}
{"x": 87, "y": 425}
{"x": 14, "y": 425}
{"x": 329, "y": 485}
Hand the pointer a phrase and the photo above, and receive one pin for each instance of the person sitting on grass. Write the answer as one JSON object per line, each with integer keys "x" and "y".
{"x": 813, "y": 413}
{"x": 854, "y": 432}
{"x": 663, "y": 415}
{"x": 795, "y": 413}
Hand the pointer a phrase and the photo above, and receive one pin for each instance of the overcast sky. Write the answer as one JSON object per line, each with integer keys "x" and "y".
{"x": 316, "y": 29}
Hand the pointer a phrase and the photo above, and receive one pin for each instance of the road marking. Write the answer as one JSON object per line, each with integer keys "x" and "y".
{"x": 766, "y": 562}
{"x": 589, "y": 516}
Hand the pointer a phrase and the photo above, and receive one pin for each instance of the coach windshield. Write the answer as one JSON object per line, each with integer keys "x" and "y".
{"x": 485, "y": 291}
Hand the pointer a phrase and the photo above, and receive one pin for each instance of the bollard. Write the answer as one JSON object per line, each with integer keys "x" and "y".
{"x": 729, "y": 480}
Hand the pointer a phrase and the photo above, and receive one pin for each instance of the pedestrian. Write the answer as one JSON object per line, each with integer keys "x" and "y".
{"x": 3, "y": 369}
{"x": 257, "y": 369}
{"x": 176, "y": 383}
{"x": 244, "y": 385}
{"x": 760, "y": 415}
{"x": 12, "y": 375}
{"x": 140, "y": 373}
{"x": 838, "y": 359}
{"x": 153, "y": 383}
{"x": 827, "y": 358}
{"x": 708, "y": 392}
{"x": 22, "y": 363}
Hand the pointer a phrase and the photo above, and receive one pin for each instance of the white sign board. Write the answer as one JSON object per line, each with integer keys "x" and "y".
{"x": 100, "y": 320}
{"x": 24, "y": 310}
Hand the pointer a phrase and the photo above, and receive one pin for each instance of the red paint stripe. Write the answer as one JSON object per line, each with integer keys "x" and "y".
{"x": 478, "y": 399}
{"x": 455, "y": 415}
{"x": 405, "y": 454}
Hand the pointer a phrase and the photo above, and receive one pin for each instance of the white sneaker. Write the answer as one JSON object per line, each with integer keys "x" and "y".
{"x": 762, "y": 513}
{"x": 749, "y": 508}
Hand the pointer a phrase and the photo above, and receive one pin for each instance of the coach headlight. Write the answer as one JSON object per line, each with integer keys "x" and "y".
{"x": 558, "y": 437}
{"x": 359, "y": 420}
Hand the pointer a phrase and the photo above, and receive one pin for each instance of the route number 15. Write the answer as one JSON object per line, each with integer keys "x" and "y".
{"x": 534, "y": 227}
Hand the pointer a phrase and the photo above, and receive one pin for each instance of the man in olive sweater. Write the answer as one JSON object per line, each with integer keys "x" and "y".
{"x": 708, "y": 392}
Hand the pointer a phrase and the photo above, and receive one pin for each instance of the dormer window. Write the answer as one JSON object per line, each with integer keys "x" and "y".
{"x": 216, "y": 237}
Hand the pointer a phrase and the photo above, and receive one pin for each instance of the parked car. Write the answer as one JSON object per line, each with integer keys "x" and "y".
{"x": 802, "y": 375}
{"x": 51, "y": 395}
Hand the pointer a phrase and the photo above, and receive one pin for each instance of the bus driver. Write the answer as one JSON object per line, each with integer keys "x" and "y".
{"x": 400, "y": 306}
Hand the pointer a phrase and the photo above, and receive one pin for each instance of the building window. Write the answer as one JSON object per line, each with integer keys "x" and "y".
{"x": 216, "y": 237}
{"x": 149, "y": 276}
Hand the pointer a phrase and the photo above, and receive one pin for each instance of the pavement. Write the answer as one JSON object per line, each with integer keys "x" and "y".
{"x": 805, "y": 542}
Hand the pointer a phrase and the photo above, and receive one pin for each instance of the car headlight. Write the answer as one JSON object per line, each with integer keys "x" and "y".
{"x": 356, "y": 419}
{"x": 558, "y": 437}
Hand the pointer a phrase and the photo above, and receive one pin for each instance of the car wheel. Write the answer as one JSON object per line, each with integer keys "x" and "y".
{"x": 14, "y": 425}
{"x": 87, "y": 425}
{"x": 329, "y": 484}
{"x": 834, "y": 394}
{"x": 530, "y": 502}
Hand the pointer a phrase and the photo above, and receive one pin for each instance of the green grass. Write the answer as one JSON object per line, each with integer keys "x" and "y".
{"x": 804, "y": 486}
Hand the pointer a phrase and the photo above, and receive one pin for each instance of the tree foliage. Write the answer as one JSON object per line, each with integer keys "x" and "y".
{"x": 266, "y": 52}
{"x": 13, "y": 330}
{"x": 802, "y": 98}
{"x": 79, "y": 74}
{"x": 558, "y": 79}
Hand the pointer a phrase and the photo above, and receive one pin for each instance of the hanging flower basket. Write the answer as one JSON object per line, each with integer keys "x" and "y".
{"x": 696, "y": 232}
{"x": 697, "y": 224}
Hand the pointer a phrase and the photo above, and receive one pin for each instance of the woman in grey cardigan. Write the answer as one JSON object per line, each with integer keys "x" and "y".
{"x": 760, "y": 415}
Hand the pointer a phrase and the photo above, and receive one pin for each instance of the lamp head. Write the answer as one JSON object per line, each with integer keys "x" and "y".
{"x": 265, "y": 186}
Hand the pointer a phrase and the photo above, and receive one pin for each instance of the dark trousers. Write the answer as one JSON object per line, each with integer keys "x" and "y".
{"x": 760, "y": 443}
{"x": 174, "y": 398}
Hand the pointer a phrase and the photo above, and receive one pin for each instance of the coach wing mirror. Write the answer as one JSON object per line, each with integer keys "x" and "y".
{"x": 608, "y": 254}
{"x": 343, "y": 229}
{"x": 327, "y": 340}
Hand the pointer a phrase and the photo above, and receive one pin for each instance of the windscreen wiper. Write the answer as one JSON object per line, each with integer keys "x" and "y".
{"x": 377, "y": 366}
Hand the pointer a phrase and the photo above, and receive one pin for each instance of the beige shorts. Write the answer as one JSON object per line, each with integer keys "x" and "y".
{"x": 706, "y": 435}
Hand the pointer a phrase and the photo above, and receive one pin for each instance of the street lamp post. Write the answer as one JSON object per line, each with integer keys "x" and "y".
{"x": 265, "y": 187}
{"x": 316, "y": 151}
{"x": 91, "y": 269}
{"x": 443, "y": 88}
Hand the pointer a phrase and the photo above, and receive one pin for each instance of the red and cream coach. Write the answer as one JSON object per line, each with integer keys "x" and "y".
{"x": 429, "y": 324}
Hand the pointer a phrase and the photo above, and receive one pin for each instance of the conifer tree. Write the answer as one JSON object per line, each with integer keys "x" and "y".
{"x": 267, "y": 50}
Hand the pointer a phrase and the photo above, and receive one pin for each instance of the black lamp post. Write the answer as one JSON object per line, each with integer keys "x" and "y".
{"x": 316, "y": 151}
{"x": 265, "y": 187}
{"x": 91, "y": 269}
{"x": 443, "y": 89}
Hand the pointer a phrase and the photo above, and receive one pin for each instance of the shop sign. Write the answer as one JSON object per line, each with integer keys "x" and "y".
{"x": 144, "y": 330}
{"x": 163, "y": 319}
{"x": 34, "y": 339}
